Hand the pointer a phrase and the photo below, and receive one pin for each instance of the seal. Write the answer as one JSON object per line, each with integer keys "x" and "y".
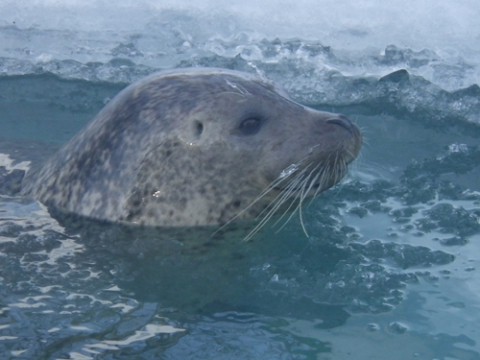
{"x": 197, "y": 147}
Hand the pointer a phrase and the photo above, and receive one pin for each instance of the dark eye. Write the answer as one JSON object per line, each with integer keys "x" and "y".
{"x": 250, "y": 126}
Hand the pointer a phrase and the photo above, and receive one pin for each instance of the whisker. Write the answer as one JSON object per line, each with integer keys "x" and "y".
{"x": 298, "y": 184}
{"x": 292, "y": 187}
{"x": 322, "y": 180}
{"x": 267, "y": 217}
{"x": 304, "y": 194}
{"x": 300, "y": 196}
{"x": 279, "y": 201}
{"x": 312, "y": 183}
{"x": 286, "y": 211}
{"x": 302, "y": 222}
{"x": 267, "y": 190}
{"x": 285, "y": 193}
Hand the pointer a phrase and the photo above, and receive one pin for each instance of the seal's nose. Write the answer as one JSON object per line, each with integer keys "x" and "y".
{"x": 344, "y": 122}
{"x": 354, "y": 142}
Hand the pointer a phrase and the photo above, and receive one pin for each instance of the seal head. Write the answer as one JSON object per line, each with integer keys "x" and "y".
{"x": 197, "y": 147}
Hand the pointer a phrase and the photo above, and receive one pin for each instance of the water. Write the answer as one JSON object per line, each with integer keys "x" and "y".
{"x": 391, "y": 263}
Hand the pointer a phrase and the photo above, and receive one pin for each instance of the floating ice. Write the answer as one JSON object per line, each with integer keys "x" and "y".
{"x": 436, "y": 40}
{"x": 458, "y": 148}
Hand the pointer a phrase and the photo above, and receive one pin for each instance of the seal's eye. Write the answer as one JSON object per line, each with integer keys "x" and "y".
{"x": 250, "y": 126}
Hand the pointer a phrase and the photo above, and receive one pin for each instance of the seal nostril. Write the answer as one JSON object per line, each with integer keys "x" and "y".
{"x": 197, "y": 129}
{"x": 343, "y": 122}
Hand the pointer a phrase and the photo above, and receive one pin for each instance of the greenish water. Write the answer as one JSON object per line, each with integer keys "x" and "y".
{"x": 390, "y": 265}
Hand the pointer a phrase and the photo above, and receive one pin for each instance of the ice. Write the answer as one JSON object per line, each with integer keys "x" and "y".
{"x": 457, "y": 148}
{"x": 358, "y": 24}
{"x": 436, "y": 40}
